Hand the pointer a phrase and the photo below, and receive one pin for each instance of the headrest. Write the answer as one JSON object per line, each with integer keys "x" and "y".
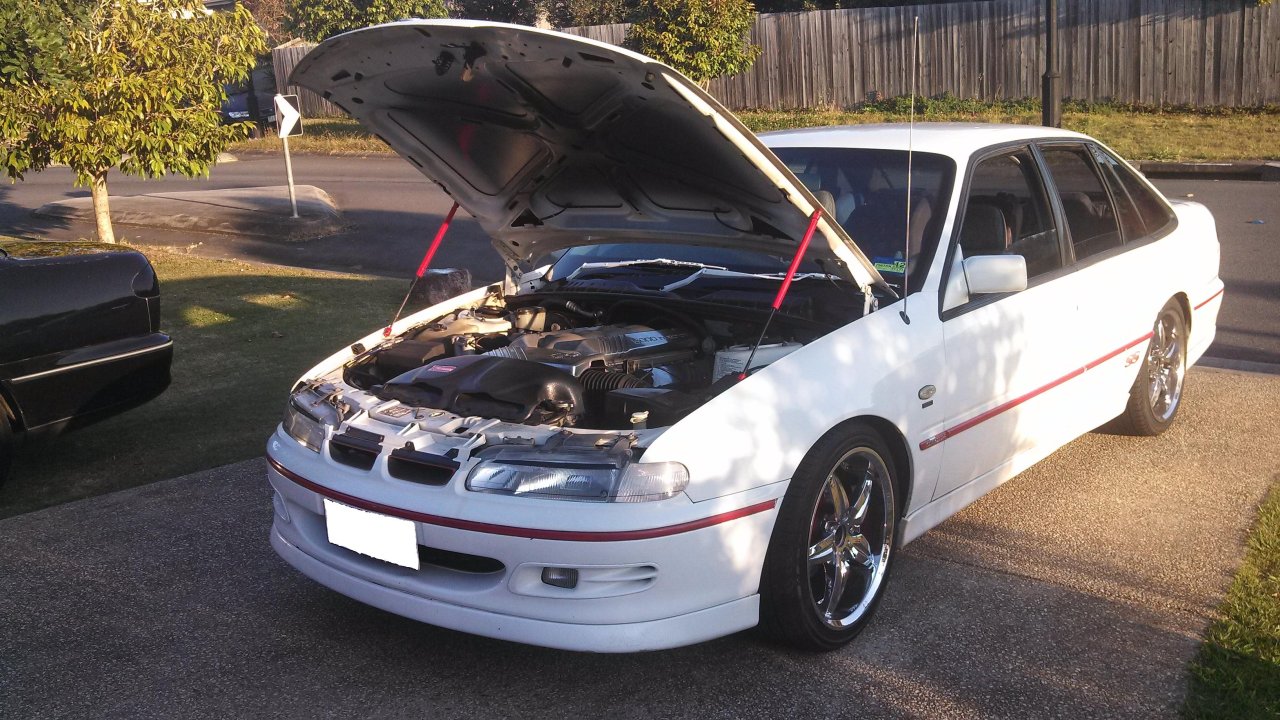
{"x": 984, "y": 230}
{"x": 827, "y": 201}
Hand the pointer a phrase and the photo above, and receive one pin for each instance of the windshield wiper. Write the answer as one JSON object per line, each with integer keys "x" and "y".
{"x": 650, "y": 262}
{"x": 701, "y": 270}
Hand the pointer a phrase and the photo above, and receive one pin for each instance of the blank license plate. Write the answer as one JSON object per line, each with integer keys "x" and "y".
{"x": 386, "y": 538}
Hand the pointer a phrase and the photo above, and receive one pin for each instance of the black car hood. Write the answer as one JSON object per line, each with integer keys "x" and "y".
{"x": 553, "y": 141}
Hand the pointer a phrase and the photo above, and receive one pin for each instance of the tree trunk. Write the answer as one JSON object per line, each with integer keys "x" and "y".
{"x": 101, "y": 209}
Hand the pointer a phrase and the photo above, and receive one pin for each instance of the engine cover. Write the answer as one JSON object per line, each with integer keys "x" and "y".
{"x": 517, "y": 391}
{"x": 576, "y": 350}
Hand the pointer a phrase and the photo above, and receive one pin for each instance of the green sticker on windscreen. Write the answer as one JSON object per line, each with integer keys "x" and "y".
{"x": 891, "y": 265}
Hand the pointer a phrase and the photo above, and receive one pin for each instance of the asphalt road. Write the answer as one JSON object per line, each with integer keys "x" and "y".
{"x": 1079, "y": 589}
{"x": 392, "y": 212}
{"x": 1248, "y": 217}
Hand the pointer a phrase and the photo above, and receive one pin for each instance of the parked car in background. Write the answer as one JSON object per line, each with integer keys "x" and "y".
{"x": 650, "y": 441}
{"x": 236, "y": 107}
{"x": 80, "y": 336}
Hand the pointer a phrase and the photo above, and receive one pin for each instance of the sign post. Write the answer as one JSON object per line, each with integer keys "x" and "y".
{"x": 289, "y": 121}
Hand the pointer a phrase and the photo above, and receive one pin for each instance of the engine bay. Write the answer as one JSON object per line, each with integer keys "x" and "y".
{"x": 584, "y": 360}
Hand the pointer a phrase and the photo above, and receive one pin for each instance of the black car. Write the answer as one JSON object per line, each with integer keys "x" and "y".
{"x": 79, "y": 336}
{"x": 237, "y": 108}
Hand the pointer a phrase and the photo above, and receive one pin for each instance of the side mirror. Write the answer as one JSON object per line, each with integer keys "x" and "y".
{"x": 988, "y": 274}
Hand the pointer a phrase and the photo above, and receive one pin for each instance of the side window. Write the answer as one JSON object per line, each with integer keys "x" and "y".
{"x": 1089, "y": 214}
{"x": 1131, "y": 225}
{"x": 1152, "y": 213}
{"x": 1008, "y": 213}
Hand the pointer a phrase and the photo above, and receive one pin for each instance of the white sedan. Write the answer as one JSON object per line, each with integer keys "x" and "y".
{"x": 727, "y": 377}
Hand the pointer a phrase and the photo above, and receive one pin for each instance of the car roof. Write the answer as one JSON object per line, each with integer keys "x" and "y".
{"x": 957, "y": 140}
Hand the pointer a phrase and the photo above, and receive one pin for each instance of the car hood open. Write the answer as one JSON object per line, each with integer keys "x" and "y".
{"x": 552, "y": 141}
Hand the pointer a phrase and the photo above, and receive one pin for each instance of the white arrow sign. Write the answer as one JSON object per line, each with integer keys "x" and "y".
{"x": 287, "y": 116}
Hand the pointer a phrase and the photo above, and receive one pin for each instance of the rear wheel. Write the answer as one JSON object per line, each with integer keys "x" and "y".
{"x": 829, "y": 557}
{"x": 1156, "y": 394}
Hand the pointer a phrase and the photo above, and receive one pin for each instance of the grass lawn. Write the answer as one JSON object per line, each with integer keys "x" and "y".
{"x": 242, "y": 335}
{"x": 1237, "y": 673}
{"x": 1136, "y": 133}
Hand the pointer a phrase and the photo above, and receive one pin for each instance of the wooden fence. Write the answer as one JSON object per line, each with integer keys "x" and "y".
{"x": 284, "y": 59}
{"x": 1157, "y": 52}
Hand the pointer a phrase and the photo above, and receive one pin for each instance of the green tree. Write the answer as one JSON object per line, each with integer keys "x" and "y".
{"x": 703, "y": 39}
{"x": 32, "y": 35}
{"x": 573, "y": 13}
{"x": 133, "y": 84}
{"x": 521, "y": 12}
{"x": 272, "y": 16}
{"x": 316, "y": 20}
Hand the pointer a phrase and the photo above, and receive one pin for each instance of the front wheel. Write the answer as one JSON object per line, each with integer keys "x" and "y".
{"x": 1157, "y": 392}
{"x": 829, "y": 557}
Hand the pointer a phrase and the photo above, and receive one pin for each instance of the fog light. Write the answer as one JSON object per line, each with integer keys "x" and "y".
{"x": 566, "y": 578}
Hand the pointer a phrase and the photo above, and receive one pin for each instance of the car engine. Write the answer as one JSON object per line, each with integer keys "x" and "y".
{"x": 558, "y": 363}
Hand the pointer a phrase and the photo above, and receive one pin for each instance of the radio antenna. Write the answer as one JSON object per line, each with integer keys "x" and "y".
{"x": 911, "y": 128}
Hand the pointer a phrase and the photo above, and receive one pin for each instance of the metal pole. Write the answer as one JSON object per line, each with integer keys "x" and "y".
{"x": 288, "y": 169}
{"x": 1051, "y": 88}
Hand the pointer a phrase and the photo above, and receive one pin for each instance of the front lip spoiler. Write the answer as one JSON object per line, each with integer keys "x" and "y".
{"x": 522, "y": 532}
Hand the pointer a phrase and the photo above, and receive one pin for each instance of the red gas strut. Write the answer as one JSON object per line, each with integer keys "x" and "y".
{"x": 422, "y": 269}
{"x": 782, "y": 291}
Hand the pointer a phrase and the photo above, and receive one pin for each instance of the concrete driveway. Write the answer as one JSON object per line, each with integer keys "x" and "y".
{"x": 1077, "y": 590}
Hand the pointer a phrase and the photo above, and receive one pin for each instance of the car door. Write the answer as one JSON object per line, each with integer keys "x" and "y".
{"x": 1008, "y": 355}
{"x": 1111, "y": 218}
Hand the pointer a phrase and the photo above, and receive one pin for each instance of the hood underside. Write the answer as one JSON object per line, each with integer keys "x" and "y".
{"x": 553, "y": 141}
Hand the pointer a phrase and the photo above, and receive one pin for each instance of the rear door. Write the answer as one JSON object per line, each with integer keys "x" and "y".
{"x": 1112, "y": 219}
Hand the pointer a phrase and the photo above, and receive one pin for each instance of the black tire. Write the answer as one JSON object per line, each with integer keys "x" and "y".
{"x": 796, "y": 606}
{"x": 1156, "y": 394}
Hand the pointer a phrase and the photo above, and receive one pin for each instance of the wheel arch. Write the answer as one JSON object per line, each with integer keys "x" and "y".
{"x": 898, "y": 448}
{"x": 1184, "y": 302}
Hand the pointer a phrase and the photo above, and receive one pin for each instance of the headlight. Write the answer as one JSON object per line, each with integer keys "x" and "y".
{"x": 307, "y": 413}
{"x": 302, "y": 427}
{"x": 510, "y": 474}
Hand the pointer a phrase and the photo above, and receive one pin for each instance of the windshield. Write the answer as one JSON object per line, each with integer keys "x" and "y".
{"x": 866, "y": 191}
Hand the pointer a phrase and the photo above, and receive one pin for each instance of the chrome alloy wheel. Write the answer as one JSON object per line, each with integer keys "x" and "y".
{"x": 851, "y": 534}
{"x": 1166, "y": 363}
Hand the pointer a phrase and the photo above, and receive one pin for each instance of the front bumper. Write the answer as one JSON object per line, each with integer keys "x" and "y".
{"x": 670, "y": 632}
{"x": 691, "y": 582}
